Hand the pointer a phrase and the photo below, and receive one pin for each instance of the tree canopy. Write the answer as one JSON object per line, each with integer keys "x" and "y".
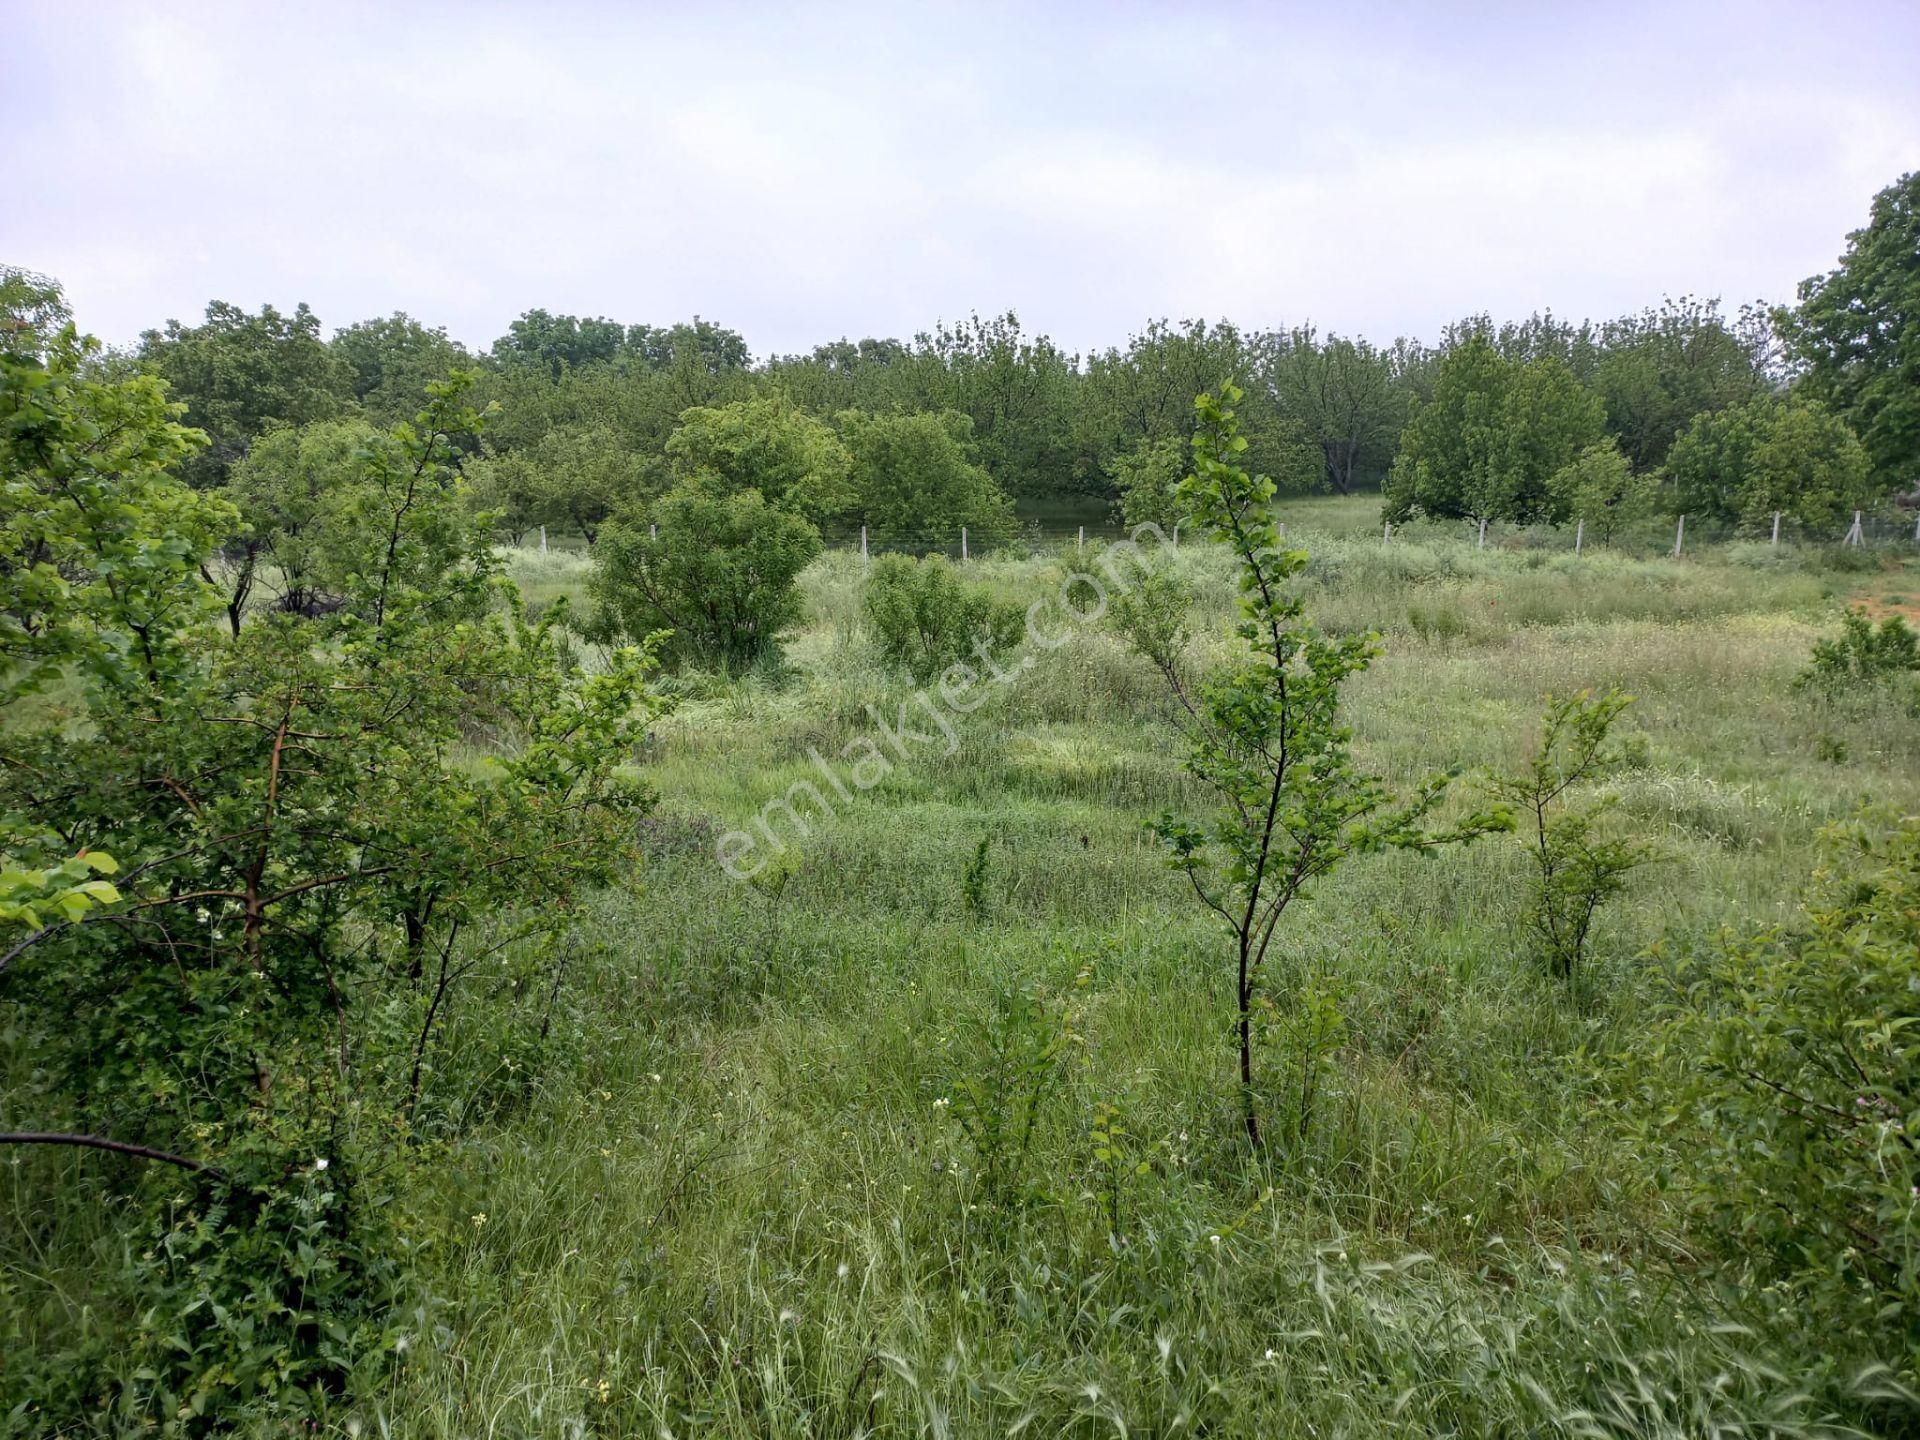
{"x": 1856, "y": 334}
{"x": 1492, "y": 436}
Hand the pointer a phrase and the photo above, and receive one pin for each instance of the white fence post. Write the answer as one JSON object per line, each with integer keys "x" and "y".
{"x": 654, "y": 531}
{"x": 1776, "y": 530}
{"x": 863, "y": 547}
{"x": 1579, "y": 535}
{"x": 1176, "y": 534}
{"x": 963, "y": 543}
{"x": 1855, "y": 535}
{"x": 543, "y": 539}
{"x": 1679, "y": 537}
{"x": 1483, "y": 535}
{"x": 1386, "y": 533}
{"x": 1081, "y": 542}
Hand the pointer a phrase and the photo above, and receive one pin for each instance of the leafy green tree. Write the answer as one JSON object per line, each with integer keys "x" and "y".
{"x": 924, "y": 617}
{"x": 1544, "y": 336}
{"x": 915, "y": 482}
{"x": 551, "y": 344}
{"x": 1660, "y": 368}
{"x": 674, "y": 366}
{"x": 1147, "y": 478}
{"x": 306, "y": 873}
{"x": 1495, "y": 431}
{"x": 580, "y": 477}
{"x": 238, "y": 374}
{"x": 507, "y": 487}
{"x": 1771, "y": 455}
{"x": 1146, "y": 391}
{"x": 697, "y": 344}
{"x": 766, "y": 444}
{"x": 1267, "y": 739}
{"x": 716, "y": 567}
{"x": 290, "y": 491}
{"x": 842, "y": 375}
{"x": 1857, "y": 339}
{"x": 1342, "y": 394}
{"x": 1018, "y": 391}
{"x": 32, "y": 310}
{"x": 1601, "y": 490}
{"x": 97, "y": 541}
{"x": 393, "y": 360}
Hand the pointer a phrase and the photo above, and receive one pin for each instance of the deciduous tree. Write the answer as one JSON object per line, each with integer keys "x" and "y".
{"x": 1856, "y": 335}
{"x": 237, "y": 374}
{"x": 1266, "y": 737}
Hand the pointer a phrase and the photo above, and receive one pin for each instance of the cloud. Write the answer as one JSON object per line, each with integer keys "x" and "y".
{"x": 855, "y": 169}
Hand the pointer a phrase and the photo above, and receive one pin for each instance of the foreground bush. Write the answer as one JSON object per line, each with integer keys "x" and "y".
{"x": 1784, "y": 1085}
{"x": 228, "y": 1054}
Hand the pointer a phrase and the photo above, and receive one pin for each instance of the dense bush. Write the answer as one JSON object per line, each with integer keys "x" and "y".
{"x": 717, "y": 569}
{"x": 1599, "y": 489}
{"x": 1782, "y": 1087}
{"x": 1492, "y": 437}
{"x": 1146, "y": 476}
{"x": 767, "y": 444}
{"x": 924, "y": 617}
{"x": 1862, "y": 657}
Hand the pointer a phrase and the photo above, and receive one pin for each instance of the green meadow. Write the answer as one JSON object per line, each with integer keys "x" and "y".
{"x": 744, "y": 1200}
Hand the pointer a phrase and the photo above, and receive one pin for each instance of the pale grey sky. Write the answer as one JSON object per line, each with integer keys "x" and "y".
{"x": 804, "y": 172}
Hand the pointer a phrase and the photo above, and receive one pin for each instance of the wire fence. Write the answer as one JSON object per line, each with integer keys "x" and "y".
{"x": 1886, "y": 529}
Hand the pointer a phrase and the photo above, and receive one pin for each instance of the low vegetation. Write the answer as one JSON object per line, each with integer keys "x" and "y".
{"x": 1256, "y": 976}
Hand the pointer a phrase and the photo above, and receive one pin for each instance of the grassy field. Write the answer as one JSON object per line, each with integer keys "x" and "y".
{"x": 743, "y": 1201}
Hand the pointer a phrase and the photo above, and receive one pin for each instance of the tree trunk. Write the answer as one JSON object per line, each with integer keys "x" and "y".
{"x": 1246, "y": 1053}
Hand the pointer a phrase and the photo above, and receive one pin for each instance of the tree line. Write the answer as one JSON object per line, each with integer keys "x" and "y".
{"x": 705, "y": 480}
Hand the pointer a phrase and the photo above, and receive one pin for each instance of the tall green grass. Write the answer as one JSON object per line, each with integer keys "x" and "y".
{"x": 729, "y": 1200}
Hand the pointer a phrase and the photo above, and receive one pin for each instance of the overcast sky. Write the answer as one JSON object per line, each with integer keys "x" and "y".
{"x": 809, "y": 171}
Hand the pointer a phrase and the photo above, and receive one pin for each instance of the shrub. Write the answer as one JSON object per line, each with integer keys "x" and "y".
{"x": 766, "y": 444}
{"x": 1004, "y": 1066}
{"x": 1494, "y": 432}
{"x": 925, "y": 618}
{"x": 1576, "y": 869}
{"x": 1742, "y": 465}
{"x": 1784, "y": 1081}
{"x": 236, "y": 1033}
{"x": 1861, "y": 657}
{"x": 718, "y": 570}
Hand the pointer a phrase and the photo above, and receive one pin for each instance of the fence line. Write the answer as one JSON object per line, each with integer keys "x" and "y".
{"x": 961, "y": 543}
